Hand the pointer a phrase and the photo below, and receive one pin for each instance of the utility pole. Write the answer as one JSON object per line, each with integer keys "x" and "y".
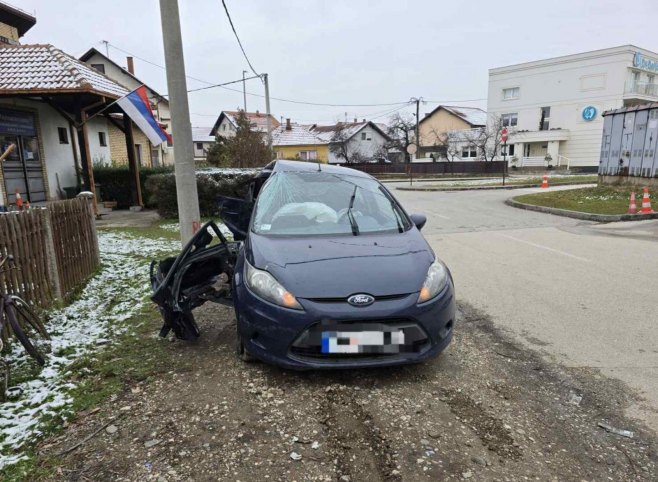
{"x": 107, "y": 48}
{"x": 186, "y": 190}
{"x": 417, "y": 123}
{"x": 244, "y": 91}
{"x": 267, "y": 110}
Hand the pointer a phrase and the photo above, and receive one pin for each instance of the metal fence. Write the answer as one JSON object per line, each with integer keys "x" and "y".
{"x": 55, "y": 248}
{"x": 437, "y": 168}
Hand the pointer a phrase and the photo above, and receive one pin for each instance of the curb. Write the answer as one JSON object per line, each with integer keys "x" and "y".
{"x": 485, "y": 188}
{"x": 601, "y": 218}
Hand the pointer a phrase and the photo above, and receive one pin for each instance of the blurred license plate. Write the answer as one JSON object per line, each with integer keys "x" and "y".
{"x": 376, "y": 341}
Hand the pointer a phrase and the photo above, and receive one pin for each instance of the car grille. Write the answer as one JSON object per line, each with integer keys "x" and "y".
{"x": 344, "y": 300}
{"x": 309, "y": 343}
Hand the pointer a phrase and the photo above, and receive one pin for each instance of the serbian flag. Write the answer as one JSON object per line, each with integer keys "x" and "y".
{"x": 137, "y": 106}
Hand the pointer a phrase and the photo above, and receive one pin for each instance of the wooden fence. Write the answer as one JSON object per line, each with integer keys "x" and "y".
{"x": 443, "y": 167}
{"x": 55, "y": 248}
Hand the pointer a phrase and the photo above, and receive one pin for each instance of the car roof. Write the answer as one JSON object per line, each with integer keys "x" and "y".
{"x": 303, "y": 166}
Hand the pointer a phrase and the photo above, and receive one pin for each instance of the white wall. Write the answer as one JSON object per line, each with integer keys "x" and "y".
{"x": 567, "y": 85}
{"x": 99, "y": 154}
{"x": 201, "y": 153}
{"x": 367, "y": 148}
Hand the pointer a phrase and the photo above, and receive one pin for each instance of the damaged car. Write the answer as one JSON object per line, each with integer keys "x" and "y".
{"x": 326, "y": 270}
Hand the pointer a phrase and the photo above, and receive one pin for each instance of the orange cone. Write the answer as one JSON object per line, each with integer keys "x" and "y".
{"x": 19, "y": 200}
{"x": 632, "y": 209}
{"x": 646, "y": 202}
{"x": 544, "y": 181}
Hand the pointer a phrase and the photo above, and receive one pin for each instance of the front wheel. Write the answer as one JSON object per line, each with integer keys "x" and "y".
{"x": 240, "y": 350}
{"x": 22, "y": 337}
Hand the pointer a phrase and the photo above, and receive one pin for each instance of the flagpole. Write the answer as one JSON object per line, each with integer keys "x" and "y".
{"x": 108, "y": 106}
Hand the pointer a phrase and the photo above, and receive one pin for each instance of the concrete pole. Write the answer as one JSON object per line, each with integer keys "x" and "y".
{"x": 186, "y": 191}
{"x": 244, "y": 91}
{"x": 267, "y": 110}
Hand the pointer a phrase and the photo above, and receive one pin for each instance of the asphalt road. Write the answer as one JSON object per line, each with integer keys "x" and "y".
{"x": 583, "y": 294}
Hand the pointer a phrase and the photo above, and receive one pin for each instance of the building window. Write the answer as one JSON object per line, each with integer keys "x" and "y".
{"x": 545, "y": 115}
{"x": 511, "y": 93}
{"x": 469, "y": 152}
{"x": 308, "y": 155}
{"x": 223, "y": 127}
{"x": 509, "y": 120}
{"x": 653, "y": 114}
{"x": 199, "y": 146}
{"x": 63, "y": 135}
{"x": 510, "y": 150}
{"x": 102, "y": 139}
{"x": 363, "y": 136}
{"x": 99, "y": 67}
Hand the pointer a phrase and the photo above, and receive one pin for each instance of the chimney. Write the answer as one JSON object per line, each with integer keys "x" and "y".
{"x": 364, "y": 121}
{"x": 288, "y": 126}
{"x": 356, "y": 120}
{"x": 131, "y": 65}
{"x": 257, "y": 113}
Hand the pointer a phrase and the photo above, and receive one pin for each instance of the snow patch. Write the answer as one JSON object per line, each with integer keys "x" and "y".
{"x": 115, "y": 294}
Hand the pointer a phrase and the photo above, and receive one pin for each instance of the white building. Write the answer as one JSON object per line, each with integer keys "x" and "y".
{"x": 353, "y": 142}
{"x": 202, "y": 141}
{"x": 554, "y": 106}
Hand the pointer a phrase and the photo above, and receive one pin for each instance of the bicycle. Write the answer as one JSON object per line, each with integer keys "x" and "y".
{"x": 22, "y": 320}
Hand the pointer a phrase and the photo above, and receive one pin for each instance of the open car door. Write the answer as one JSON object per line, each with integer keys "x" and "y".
{"x": 201, "y": 272}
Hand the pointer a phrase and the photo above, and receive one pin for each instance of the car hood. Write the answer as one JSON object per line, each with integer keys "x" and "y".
{"x": 336, "y": 267}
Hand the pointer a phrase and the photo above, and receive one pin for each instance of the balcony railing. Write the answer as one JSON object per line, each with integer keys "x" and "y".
{"x": 642, "y": 88}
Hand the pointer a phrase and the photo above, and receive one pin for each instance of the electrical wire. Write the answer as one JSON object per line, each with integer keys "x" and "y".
{"x": 228, "y": 15}
{"x": 222, "y": 86}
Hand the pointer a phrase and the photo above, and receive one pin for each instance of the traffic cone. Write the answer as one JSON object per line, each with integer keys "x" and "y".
{"x": 646, "y": 202}
{"x": 19, "y": 200}
{"x": 632, "y": 209}
{"x": 544, "y": 181}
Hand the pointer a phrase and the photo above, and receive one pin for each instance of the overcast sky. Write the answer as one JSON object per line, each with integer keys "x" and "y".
{"x": 343, "y": 51}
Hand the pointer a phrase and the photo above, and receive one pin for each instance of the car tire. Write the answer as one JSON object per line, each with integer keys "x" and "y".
{"x": 240, "y": 350}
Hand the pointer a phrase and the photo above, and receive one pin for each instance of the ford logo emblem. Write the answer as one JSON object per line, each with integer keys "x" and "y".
{"x": 361, "y": 300}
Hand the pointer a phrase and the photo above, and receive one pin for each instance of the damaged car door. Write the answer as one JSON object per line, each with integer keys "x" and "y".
{"x": 202, "y": 272}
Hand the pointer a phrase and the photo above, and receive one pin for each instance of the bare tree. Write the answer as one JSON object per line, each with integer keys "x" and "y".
{"x": 448, "y": 143}
{"x": 401, "y": 130}
{"x": 341, "y": 146}
{"x": 245, "y": 149}
{"x": 485, "y": 139}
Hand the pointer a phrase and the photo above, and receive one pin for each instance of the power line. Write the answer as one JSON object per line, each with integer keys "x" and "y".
{"x": 453, "y": 101}
{"x": 228, "y": 15}
{"x": 222, "y": 86}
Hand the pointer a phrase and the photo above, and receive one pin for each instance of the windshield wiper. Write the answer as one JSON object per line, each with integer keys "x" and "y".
{"x": 397, "y": 216}
{"x": 350, "y": 215}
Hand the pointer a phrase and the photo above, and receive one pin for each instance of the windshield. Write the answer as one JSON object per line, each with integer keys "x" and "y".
{"x": 319, "y": 203}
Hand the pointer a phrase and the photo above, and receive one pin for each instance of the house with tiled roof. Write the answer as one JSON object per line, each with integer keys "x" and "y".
{"x": 295, "y": 141}
{"x": 149, "y": 155}
{"x": 226, "y": 124}
{"x": 448, "y": 119}
{"x": 356, "y": 141}
{"x": 54, "y": 112}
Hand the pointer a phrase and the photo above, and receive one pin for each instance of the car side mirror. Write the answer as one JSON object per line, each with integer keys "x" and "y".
{"x": 419, "y": 220}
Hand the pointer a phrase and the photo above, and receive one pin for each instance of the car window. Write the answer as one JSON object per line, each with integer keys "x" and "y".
{"x": 318, "y": 203}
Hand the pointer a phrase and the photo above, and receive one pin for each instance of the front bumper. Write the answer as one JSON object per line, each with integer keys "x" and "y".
{"x": 269, "y": 331}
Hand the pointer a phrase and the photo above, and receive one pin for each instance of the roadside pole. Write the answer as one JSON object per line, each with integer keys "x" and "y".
{"x": 186, "y": 190}
{"x": 244, "y": 91}
{"x": 267, "y": 111}
{"x": 504, "y": 135}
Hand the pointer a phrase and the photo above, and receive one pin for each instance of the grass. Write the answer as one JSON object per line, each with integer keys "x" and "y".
{"x": 594, "y": 200}
{"x": 134, "y": 356}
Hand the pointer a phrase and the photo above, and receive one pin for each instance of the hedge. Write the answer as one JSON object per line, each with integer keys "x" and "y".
{"x": 115, "y": 182}
{"x": 211, "y": 183}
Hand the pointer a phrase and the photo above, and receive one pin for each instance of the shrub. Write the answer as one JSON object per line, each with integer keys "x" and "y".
{"x": 115, "y": 182}
{"x": 211, "y": 183}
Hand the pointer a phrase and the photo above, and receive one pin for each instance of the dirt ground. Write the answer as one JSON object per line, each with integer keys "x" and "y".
{"x": 486, "y": 409}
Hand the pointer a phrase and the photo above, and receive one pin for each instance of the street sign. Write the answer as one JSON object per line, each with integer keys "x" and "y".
{"x": 412, "y": 148}
{"x": 504, "y": 135}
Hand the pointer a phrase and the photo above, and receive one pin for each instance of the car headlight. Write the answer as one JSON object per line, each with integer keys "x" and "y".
{"x": 437, "y": 278}
{"x": 267, "y": 287}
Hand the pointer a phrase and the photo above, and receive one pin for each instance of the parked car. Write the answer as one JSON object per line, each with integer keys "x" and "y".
{"x": 331, "y": 272}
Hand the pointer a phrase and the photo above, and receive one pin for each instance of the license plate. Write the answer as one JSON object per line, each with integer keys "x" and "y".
{"x": 374, "y": 341}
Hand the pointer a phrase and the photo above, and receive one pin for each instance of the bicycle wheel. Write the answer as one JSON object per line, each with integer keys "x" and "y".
{"x": 22, "y": 337}
{"x": 28, "y": 318}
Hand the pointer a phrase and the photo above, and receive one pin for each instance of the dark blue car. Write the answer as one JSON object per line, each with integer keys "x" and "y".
{"x": 331, "y": 272}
